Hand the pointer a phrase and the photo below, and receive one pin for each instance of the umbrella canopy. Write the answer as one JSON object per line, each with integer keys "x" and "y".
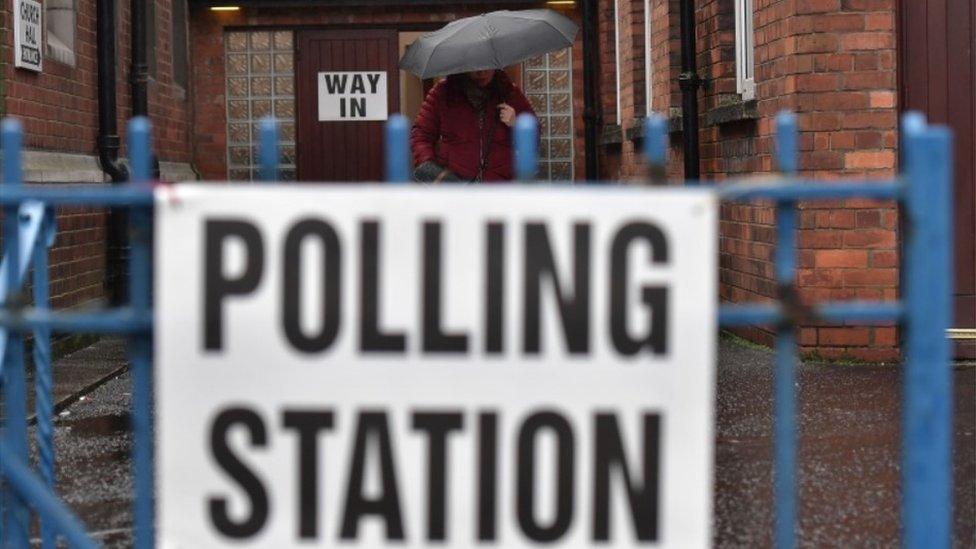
{"x": 489, "y": 41}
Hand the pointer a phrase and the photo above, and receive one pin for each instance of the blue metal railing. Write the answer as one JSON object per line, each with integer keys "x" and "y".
{"x": 923, "y": 189}
{"x": 28, "y": 233}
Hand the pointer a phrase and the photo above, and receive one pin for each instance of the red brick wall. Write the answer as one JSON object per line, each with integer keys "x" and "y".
{"x": 207, "y": 69}
{"x": 630, "y": 21}
{"x": 59, "y": 111}
{"x": 59, "y": 106}
{"x": 833, "y": 63}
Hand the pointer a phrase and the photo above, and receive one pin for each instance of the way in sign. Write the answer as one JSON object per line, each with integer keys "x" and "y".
{"x": 352, "y": 89}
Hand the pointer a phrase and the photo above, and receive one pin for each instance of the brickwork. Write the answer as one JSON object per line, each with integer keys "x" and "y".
{"x": 630, "y": 24}
{"x": 207, "y": 31}
{"x": 59, "y": 111}
{"x": 59, "y": 106}
{"x": 833, "y": 63}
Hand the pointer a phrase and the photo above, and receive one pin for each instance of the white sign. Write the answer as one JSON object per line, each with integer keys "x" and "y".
{"x": 497, "y": 366}
{"x": 352, "y": 96}
{"x": 28, "y": 34}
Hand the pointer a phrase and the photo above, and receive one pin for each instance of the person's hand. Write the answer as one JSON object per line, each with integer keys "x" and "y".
{"x": 506, "y": 114}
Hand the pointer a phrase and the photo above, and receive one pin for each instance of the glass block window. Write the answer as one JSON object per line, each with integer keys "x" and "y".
{"x": 260, "y": 82}
{"x": 548, "y": 83}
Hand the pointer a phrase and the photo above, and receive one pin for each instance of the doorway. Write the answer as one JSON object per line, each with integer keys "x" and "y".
{"x": 340, "y": 147}
{"x": 937, "y": 69}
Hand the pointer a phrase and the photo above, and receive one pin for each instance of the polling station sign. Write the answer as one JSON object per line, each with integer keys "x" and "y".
{"x": 352, "y": 96}
{"x": 459, "y": 366}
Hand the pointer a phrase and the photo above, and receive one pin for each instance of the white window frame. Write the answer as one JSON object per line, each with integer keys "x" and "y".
{"x": 60, "y": 20}
{"x": 745, "y": 81}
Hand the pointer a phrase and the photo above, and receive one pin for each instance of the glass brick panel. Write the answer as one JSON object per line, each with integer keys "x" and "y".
{"x": 260, "y": 108}
{"x": 240, "y": 156}
{"x": 535, "y": 81}
{"x": 559, "y": 59}
{"x": 285, "y": 108}
{"x": 238, "y": 110}
{"x": 539, "y": 103}
{"x": 283, "y": 62}
{"x": 288, "y": 154}
{"x": 559, "y": 80}
{"x": 261, "y": 86}
{"x": 260, "y": 63}
{"x": 284, "y": 85}
{"x": 561, "y": 171}
{"x": 237, "y": 87}
{"x": 560, "y": 148}
{"x": 260, "y": 41}
{"x": 548, "y": 81}
{"x": 559, "y": 103}
{"x": 543, "y": 171}
{"x": 237, "y": 64}
{"x": 283, "y": 40}
{"x": 239, "y": 133}
{"x": 536, "y": 62}
{"x": 287, "y": 132}
{"x": 260, "y": 82}
{"x": 236, "y": 41}
{"x": 560, "y": 126}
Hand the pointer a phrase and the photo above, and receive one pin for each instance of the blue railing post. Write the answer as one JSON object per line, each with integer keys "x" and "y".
{"x": 44, "y": 400}
{"x": 526, "y": 147}
{"x": 785, "y": 395}
{"x": 268, "y": 151}
{"x": 14, "y": 436}
{"x": 140, "y": 344}
{"x": 927, "y": 408}
{"x": 397, "y": 168}
{"x": 656, "y": 148}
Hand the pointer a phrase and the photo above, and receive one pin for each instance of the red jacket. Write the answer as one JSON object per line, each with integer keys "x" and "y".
{"x": 446, "y": 129}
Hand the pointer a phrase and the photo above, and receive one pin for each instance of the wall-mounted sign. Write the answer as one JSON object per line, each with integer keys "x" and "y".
{"x": 352, "y": 96}
{"x": 365, "y": 366}
{"x": 28, "y": 34}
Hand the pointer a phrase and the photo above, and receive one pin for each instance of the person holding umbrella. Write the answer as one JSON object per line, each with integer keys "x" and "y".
{"x": 463, "y": 130}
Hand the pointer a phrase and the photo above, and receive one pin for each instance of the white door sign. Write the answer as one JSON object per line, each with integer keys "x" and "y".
{"x": 352, "y": 96}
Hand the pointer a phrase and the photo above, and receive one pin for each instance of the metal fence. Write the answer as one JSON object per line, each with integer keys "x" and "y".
{"x": 923, "y": 189}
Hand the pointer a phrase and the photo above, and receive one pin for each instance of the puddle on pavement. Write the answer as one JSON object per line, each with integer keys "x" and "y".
{"x": 109, "y": 424}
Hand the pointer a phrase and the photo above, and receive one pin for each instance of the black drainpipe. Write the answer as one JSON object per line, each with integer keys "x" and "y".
{"x": 108, "y": 150}
{"x": 139, "y": 77}
{"x": 108, "y": 131}
{"x": 689, "y": 83}
{"x": 591, "y": 105}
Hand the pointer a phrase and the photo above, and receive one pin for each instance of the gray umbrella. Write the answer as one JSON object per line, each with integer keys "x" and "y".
{"x": 490, "y": 41}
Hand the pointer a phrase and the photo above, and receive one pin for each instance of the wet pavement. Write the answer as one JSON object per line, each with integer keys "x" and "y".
{"x": 81, "y": 372}
{"x": 93, "y": 443}
{"x": 849, "y": 433}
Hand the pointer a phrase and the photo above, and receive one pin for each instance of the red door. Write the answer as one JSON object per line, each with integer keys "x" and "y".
{"x": 937, "y": 69}
{"x": 342, "y": 150}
